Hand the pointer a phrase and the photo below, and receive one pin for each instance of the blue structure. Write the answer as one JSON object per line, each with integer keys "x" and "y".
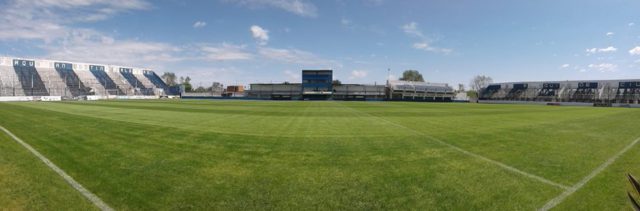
{"x": 317, "y": 84}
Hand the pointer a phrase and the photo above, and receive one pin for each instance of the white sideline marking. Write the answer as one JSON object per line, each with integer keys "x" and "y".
{"x": 560, "y": 198}
{"x": 86, "y": 193}
{"x": 505, "y": 166}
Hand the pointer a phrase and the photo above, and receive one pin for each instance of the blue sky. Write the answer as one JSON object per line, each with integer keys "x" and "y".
{"x": 247, "y": 41}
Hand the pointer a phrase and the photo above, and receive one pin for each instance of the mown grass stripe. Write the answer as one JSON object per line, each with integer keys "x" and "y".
{"x": 560, "y": 198}
{"x": 86, "y": 193}
{"x": 500, "y": 164}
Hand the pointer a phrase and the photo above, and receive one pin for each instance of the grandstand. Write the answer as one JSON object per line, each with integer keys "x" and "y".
{"x": 284, "y": 91}
{"x": 317, "y": 84}
{"x": 155, "y": 81}
{"x": 599, "y": 92}
{"x": 358, "y": 92}
{"x": 71, "y": 80}
{"x": 420, "y": 91}
{"x": 24, "y": 77}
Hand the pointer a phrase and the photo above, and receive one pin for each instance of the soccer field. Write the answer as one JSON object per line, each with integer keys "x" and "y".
{"x": 265, "y": 155}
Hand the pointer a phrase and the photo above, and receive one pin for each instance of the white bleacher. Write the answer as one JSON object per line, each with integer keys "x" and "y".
{"x": 139, "y": 74}
{"x": 114, "y": 73}
{"x": 70, "y": 82}
{"x": 88, "y": 79}
{"x": 51, "y": 79}
{"x": 9, "y": 82}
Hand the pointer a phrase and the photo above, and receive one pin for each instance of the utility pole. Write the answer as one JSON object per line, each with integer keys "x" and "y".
{"x": 388, "y": 84}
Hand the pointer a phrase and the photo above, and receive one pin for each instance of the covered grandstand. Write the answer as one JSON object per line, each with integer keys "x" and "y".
{"x": 293, "y": 91}
{"x": 359, "y": 92}
{"x": 317, "y": 84}
{"x": 588, "y": 92}
{"x": 27, "y": 77}
{"x": 283, "y": 91}
{"x": 420, "y": 91}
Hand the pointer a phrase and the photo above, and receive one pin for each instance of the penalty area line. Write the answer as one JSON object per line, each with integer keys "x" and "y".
{"x": 463, "y": 151}
{"x": 86, "y": 193}
{"x": 560, "y": 198}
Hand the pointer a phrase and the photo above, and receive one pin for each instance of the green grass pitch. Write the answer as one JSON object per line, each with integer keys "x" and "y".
{"x": 266, "y": 155}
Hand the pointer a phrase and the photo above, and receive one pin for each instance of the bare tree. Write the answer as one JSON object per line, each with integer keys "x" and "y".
{"x": 480, "y": 81}
{"x": 169, "y": 78}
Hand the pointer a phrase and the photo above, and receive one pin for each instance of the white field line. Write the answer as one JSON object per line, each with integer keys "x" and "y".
{"x": 504, "y": 166}
{"x": 86, "y": 193}
{"x": 560, "y": 198}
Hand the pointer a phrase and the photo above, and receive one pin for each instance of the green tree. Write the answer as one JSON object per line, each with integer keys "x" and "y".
{"x": 472, "y": 94}
{"x": 200, "y": 89}
{"x": 336, "y": 82}
{"x": 187, "y": 84}
{"x": 411, "y": 75}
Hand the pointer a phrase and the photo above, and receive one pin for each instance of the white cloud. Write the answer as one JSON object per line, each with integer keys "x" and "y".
{"x": 426, "y": 47}
{"x": 609, "y": 34}
{"x": 635, "y": 51}
{"x": 49, "y": 20}
{"x": 299, "y": 7}
{"x": 565, "y": 66}
{"x": 295, "y": 56}
{"x": 81, "y": 45}
{"x": 412, "y": 29}
{"x": 608, "y": 49}
{"x": 601, "y": 50}
{"x": 260, "y": 34}
{"x": 358, "y": 74}
{"x": 225, "y": 52}
{"x": 631, "y": 24}
{"x": 51, "y": 25}
{"x": 346, "y": 22}
{"x": 604, "y": 67}
{"x": 425, "y": 44}
{"x": 199, "y": 24}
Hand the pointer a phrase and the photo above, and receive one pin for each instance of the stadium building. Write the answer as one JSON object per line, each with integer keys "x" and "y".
{"x": 317, "y": 85}
{"x": 594, "y": 92}
{"x": 420, "y": 91}
{"x": 26, "y": 79}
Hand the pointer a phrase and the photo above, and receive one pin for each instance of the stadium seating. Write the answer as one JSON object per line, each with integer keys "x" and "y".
{"x": 9, "y": 83}
{"x": 134, "y": 83}
{"x": 420, "y": 91}
{"x": 150, "y": 87}
{"x": 158, "y": 82}
{"x": 52, "y": 81}
{"x": 108, "y": 83}
{"x": 31, "y": 81}
{"x": 358, "y": 92}
{"x": 20, "y": 77}
{"x": 73, "y": 83}
{"x": 90, "y": 82}
{"x": 603, "y": 92}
